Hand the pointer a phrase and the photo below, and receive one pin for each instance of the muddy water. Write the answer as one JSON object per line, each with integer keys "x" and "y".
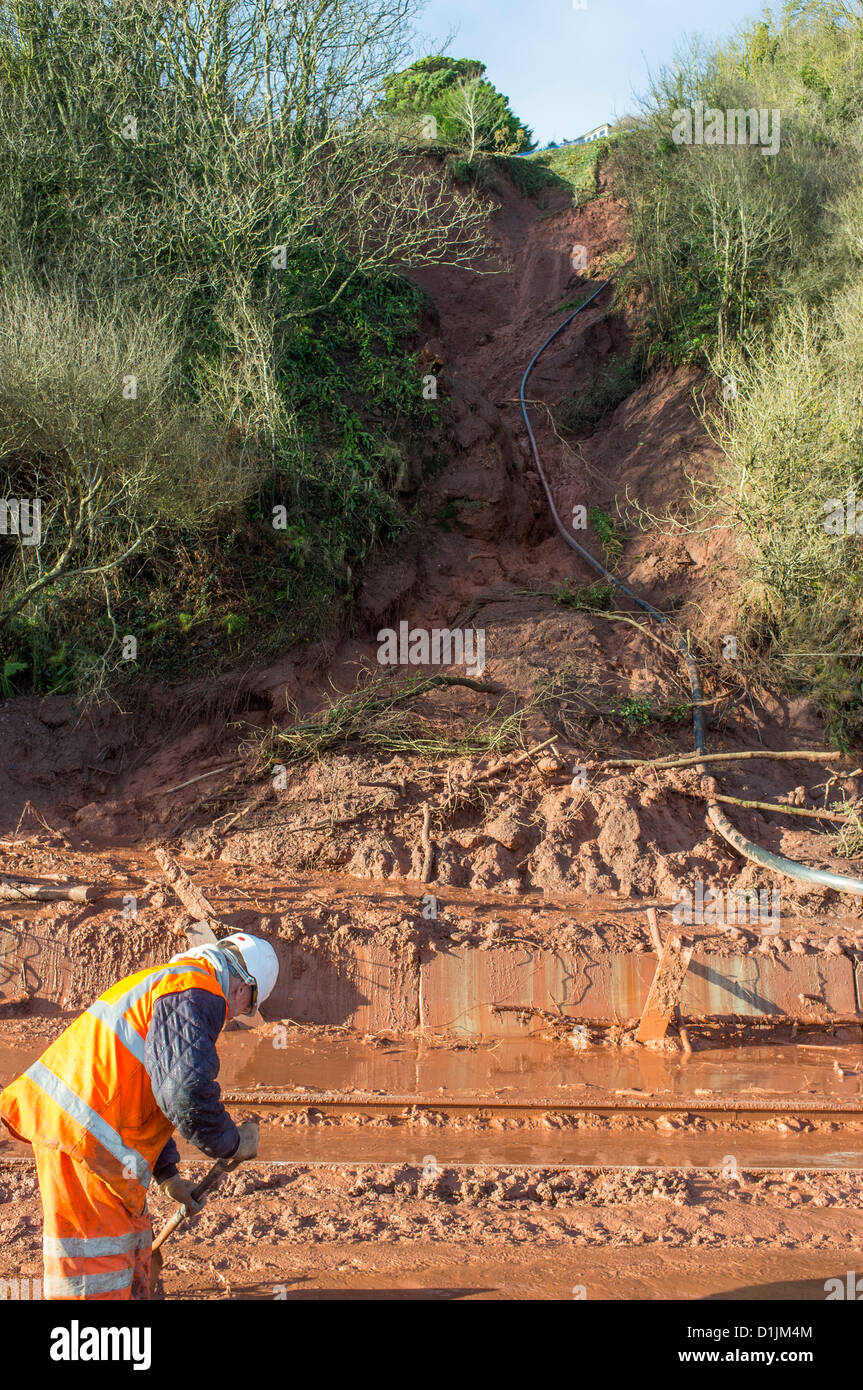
{"x": 525, "y": 1071}
{"x": 431, "y": 1148}
{"x": 530, "y": 1078}
{"x": 533, "y": 1069}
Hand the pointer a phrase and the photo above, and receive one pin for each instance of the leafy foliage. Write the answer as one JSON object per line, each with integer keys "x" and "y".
{"x": 203, "y": 234}
{"x": 430, "y": 86}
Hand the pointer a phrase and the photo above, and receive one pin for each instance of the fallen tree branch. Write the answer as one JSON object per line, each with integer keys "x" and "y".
{"x": 770, "y": 806}
{"x": 692, "y": 759}
{"x": 420, "y": 688}
{"x": 352, "y": 717}
{"x": 43, "y": 893}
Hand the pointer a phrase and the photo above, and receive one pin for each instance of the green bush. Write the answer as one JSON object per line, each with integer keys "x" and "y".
{"x": 725, "y": 236}
{"x": 792, "y": 434}
{"x": 228, "y": 234}
{"x": 752, "y": 266}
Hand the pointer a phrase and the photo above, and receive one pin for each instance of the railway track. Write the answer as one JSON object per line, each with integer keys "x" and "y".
{"x": 731, "y": 1110}
{"x": 429, "y": 1133}
{"x": 627, "y": 1132}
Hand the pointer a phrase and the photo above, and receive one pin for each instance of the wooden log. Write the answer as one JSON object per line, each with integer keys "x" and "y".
{"x": 50, "y": 893}
{"x": 657, "y": 946}
{"x": 665, "y": 989}
{"x": 654, "y": 931}
{"x": 192, "y": 898}
{"x": 200, "y": 932}
{"x": 427, "y": 846}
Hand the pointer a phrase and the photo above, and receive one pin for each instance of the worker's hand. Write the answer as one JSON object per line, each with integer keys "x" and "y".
{"x": 250, "y": 1135}
{"x": 182, "y": 1193}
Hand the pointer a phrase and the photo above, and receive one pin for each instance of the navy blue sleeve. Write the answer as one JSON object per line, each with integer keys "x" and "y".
{"x": 182, "y": 1063}
{"x": 166, "y": 1164}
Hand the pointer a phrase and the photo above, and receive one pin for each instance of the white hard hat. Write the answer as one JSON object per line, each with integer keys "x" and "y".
{"x": 258, "y": 962}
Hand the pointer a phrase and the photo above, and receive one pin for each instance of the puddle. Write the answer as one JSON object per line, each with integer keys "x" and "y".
{"x": 527, "y": 1070}
{"x": 533, "y": 1068}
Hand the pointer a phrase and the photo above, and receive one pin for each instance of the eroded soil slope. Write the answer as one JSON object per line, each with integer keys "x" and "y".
{"x": 483, "y": 554}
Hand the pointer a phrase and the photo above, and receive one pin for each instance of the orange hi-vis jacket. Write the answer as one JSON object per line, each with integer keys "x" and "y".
{"x": 89, "y": 1094}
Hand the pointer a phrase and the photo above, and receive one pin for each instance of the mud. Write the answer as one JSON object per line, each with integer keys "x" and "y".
{"x": 113, "y": 772}
{"x": 468, "y": 1115}
{"x": 366, "y": 956}
{"x": 491, "y": 1232}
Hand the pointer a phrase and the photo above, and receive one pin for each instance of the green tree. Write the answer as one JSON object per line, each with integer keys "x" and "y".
{"x": 468, "y": 109}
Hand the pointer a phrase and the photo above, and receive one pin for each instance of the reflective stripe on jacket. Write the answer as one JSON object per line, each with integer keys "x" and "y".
{"x": 89, "y": 1094}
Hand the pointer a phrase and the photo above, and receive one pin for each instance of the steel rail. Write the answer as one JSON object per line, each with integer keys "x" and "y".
{"x": 727, "y": 1108}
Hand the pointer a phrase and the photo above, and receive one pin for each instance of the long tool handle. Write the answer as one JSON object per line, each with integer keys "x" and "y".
{"x": 209, "y": 1180}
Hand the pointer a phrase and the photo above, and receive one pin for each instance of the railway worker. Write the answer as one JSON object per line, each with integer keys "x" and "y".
{"x": 102, "y": 1102}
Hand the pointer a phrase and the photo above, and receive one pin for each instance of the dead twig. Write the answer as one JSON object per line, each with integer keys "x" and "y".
{"x": 214, "y": 771}
{"x": 776, "y": 806}
{"x": 428, "y": 846}
{"x": 692, "y": 759}
{"x": 514, "y": 762}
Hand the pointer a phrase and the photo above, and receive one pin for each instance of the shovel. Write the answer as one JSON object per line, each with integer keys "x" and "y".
{"x": 207, "y": 1183}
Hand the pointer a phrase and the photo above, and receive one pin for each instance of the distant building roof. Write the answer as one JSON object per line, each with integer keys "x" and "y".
{"x": 596, "y": 134}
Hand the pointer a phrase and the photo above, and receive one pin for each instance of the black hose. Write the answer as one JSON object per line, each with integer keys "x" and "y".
{"x": 788, "y": 867}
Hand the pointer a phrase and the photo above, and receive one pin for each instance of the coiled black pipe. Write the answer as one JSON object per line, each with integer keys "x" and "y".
{"x": 789, "y": 867}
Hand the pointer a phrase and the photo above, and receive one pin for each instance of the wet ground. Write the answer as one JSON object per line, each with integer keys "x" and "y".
{"x": 531, "y": 1070}
{"x": 581, "y": 1274}
{"x": 535, "y": 1102}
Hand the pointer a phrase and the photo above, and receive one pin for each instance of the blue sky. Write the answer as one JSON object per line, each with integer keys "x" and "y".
{"x": 565, "y": 69}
